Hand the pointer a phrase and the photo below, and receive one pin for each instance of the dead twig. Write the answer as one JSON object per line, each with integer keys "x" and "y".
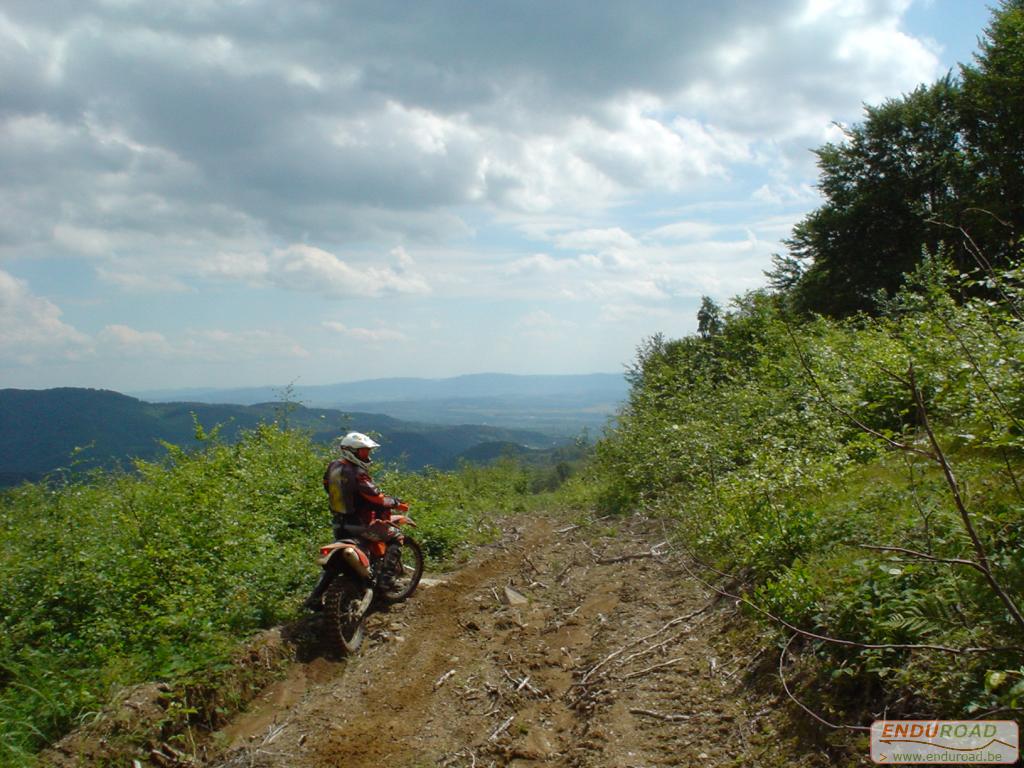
{"x": 668, "y": 625}
{"x": 564, "y": 572}
{"x": 648, "y": 651}
{"x": 661, "y": 715}
{"x": 272, "y": 734}
{"x": 648, "y": 670}
{"x": 653, "y": 552}
{"x": 443, "y": 679}
{"x": 748, "y": 665}
{"x": 922, "y": 555}
{"x": 965, "y": 516}
{"x": 501, "y": 728}
{"x": 592, "y": 551}
{"x": 815, "y": 715}
{"x": 521, "y": 683}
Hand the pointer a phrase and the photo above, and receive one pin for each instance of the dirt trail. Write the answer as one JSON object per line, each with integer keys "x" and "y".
{"x": 589, "y": 660}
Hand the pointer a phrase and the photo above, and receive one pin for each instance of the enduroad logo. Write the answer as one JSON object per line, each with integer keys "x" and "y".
{"x": 960, "y": 742}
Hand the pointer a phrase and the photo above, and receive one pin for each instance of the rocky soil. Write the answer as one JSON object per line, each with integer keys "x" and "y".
{"x": 558, "y": 646}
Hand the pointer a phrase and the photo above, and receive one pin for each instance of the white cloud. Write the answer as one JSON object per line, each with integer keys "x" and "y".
{"x": 310, "y": 269}
{"x": 540, "y": 263}
{"x": 31, "y": 328}
{"x": 779, "y": 194}
{"x": 124, "y": 342}
{"x": 682, "y": 231}
{"x": 371, "y": 335}
{"x": 197, "y": 345}
{"x": 596, "y": 240}
{"x": 245, "y": 267}
{"x": 231, "y": 152}
{"x": 139, "y": 282}
{"x": 542, "y": 326}
{"x": 618, "y": 313}
{"x": 538, "y": 320}
{"x": 216, "y": 345}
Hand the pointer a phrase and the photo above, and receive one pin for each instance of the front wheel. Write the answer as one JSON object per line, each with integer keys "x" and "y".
{"x": 344, "y": 614}
{"x": 402, "y": 571}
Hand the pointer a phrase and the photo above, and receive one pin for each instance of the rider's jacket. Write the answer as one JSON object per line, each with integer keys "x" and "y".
{"x": 352, "y": 495}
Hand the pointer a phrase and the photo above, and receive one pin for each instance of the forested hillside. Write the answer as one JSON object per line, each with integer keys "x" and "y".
{"x": 561, "y": 406}
{"x": 42, "y": 431}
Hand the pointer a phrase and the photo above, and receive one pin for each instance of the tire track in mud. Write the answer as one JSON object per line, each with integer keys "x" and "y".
{"x": 587, "y": 659}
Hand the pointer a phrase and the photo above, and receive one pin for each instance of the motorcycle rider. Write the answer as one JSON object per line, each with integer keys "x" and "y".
{"x": 355, "y": 501}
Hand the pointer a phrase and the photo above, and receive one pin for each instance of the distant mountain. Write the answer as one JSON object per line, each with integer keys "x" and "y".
{"x": 558, "y": 405}
{"x": 41, "y": 429}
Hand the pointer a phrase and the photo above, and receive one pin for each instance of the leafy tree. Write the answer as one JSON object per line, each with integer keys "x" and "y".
{"x": 888, "y": 190}
{"x": 709, "y": 318}
{"x": 939, "y": 169}
{"x": 993, "y": 121}
{"x": 785, "y": 273}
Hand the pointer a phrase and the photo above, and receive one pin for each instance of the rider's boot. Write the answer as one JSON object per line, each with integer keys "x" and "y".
{"x": 315, "y": 601}
{"x": 391, "y": 559}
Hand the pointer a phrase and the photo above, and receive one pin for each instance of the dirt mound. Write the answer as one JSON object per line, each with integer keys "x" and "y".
{"x": 143, "y": 721}
{"x": 559, "y": 647}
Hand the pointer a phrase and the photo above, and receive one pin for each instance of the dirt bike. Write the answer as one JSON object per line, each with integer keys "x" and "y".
{"x": 383, "y": 569}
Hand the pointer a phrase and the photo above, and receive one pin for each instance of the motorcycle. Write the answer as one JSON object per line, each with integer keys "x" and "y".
{"x": 384, "y": 569}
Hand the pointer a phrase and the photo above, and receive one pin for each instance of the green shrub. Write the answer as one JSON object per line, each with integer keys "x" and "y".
{"x": 126, "y": 577}
{"x": 774, "y": 442}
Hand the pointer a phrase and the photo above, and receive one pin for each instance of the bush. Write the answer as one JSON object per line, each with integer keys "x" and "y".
{"x": 153, "y": 574}
{"x": 773, "y": 441}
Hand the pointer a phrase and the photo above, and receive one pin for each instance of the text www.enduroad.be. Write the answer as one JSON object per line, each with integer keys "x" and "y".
{"x": 945, "y": 757}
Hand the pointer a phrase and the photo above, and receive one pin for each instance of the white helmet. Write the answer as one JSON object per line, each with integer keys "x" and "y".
{"x": 355, "y": 440}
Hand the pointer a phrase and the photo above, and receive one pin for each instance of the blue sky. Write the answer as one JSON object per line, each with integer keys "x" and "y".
{"x": 248, "y": 192}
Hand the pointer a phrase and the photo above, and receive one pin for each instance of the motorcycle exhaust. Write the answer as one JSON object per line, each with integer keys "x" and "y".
{"x": 353, "y": 560}
{"x": 356, "y": 560}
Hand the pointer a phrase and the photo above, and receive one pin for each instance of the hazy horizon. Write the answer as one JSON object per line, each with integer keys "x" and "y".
{"x": 300, "y": 383}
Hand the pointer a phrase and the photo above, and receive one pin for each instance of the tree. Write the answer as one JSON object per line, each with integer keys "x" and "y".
{"x": 992, "y": 107}
{"x": 785, "y": 273}
{"x": 942, "y": 166}
{"x": 709, "y": 318}
{"x": 889, "y": 189}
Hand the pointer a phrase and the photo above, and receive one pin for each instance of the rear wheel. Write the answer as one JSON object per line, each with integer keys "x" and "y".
{"x": 342, "y": 609}
{"x": 405, "y": 570}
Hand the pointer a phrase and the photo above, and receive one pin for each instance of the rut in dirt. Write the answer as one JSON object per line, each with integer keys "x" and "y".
{"x": 561, "y": 646}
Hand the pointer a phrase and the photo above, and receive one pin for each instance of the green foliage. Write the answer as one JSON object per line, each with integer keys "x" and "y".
{"x": 124, "y": 577}
{"x": 941, "y": 168}
{"x": 888, "y": 188}
{"x": 772, "y": 444}
{"x": 457, "y": 509}
{"x": 992, "y": 108}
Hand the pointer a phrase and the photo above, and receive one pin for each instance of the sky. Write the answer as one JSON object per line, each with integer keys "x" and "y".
{"x": 249, "y": 192}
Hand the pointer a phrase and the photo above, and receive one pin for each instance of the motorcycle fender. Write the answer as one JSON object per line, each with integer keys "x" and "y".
{"x": 351, "y": 556}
